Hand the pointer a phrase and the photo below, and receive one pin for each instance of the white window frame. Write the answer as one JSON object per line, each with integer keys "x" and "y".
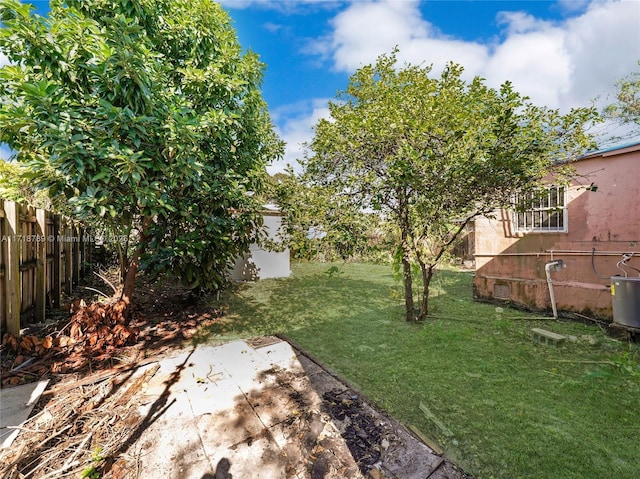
{"x": 547, "y": 213}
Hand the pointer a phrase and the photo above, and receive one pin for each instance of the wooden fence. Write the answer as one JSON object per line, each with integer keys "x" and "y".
{"x": 42, "y": 255}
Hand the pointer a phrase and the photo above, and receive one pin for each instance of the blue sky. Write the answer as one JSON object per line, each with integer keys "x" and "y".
{"x": 562, "y": 54}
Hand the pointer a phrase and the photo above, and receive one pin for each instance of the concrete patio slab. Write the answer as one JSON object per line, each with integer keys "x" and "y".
{"x": 255, "y": 410}
{"x": 15, "y": 406}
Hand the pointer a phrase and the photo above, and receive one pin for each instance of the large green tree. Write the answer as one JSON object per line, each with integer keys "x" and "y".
{"x": 431, "y": 154}
{"x": 147, "y": 114}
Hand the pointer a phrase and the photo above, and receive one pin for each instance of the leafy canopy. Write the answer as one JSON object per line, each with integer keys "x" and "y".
{"x": 141, "y": 112}
{"x": 318, "y": 226}
{"x": 627, "y": 107}
{"x": 433, "y": 153}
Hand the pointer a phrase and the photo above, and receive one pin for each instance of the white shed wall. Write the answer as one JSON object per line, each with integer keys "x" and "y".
{"x": 260, "y": 263}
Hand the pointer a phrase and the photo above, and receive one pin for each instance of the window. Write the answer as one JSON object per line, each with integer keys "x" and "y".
{"x": 545, "y": 211}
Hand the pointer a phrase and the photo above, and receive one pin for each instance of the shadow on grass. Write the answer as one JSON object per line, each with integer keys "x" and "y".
{"x": 306, "y": 300}
{"x": 510, "y": 406}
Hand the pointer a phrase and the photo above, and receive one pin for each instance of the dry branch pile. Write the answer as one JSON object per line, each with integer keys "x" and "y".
{"x": 82, "y": 424}
{"x": 81, "y": 432}
{"x": 93, "y": 334}
{"x": 98, "y": 336}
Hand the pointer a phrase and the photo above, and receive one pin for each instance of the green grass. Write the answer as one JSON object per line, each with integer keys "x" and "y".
{"x": 499, "y": 404}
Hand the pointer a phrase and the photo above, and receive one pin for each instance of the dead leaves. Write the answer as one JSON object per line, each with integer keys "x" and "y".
{"x": 102, "y": 328}
{"x": 36, "y": 346}
{"x": 10, "y": 341}
{"x": 30, "y": 345}
{"x": 95, "y": 333}
{"x": 75, "y": 305}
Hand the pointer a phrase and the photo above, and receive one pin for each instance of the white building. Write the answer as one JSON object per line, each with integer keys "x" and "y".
{"x": 260, "y": 263}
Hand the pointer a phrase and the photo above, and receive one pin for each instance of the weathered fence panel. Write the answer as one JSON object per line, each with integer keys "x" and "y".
{"x": 41, "y": 255}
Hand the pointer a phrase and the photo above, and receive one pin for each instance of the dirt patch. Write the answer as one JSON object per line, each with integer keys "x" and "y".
{"x": 361, "y": 431}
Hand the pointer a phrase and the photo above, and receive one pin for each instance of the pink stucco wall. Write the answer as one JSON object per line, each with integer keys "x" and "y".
{"x": 510, "y": 266}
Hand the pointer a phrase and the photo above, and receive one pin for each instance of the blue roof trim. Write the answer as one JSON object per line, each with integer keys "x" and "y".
{"x": 609, "y": 150}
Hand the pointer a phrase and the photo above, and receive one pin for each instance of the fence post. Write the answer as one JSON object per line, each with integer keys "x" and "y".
{"x": 3, "y": 256}
{"x": 12, "y": 268}
{"x": 76, "y": 254}
{"x": 41, "y": 269}
{"x": 83, "y": 252}
{"x": 56, "y": 286}
{"x": 68, "y": 258}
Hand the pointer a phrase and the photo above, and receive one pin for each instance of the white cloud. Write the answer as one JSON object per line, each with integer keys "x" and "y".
{"x": 604, "y": 46}
{"x": 535, "y": 62}
{"x": 571, "y": 6}
{"x": 273, "y": 27}
{"x": 561, "y": 65}
{"x": 439, "y": 52}
{"x": 571, "y": 63}
{"x": 296, "y": 127}
{"x": 365, "y": 29}
{"x": 521, "y": 22}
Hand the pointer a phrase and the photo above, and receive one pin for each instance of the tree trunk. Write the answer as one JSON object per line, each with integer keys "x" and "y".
{"x": 405, "y": 229}
{"x": 128, "y": 285}
{"x": 427, "y": 274}
{"x": 427, "y": 270}
{"x": 130, "y": 278}
{"x": 409, "y": 310}
{"x": 123, "y": 261}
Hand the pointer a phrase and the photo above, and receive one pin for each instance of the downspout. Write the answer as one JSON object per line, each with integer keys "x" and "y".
{"x": 553, "y": 266}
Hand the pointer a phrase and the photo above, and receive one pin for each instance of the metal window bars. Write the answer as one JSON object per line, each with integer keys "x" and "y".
{"x": 542, "y": 211}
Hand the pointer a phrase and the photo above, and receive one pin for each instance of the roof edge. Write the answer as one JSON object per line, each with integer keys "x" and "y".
{"x": 612, "y": 151}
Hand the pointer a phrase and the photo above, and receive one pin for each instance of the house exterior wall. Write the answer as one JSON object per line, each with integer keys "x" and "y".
{"x": 510, "y": 266}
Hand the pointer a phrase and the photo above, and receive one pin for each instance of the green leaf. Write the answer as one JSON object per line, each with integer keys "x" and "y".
{"x": 33, "y": 90}
{"x": 104, "y": 173}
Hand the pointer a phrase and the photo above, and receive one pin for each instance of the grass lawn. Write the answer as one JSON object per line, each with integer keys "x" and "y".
{"x": 499, "y": 404}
